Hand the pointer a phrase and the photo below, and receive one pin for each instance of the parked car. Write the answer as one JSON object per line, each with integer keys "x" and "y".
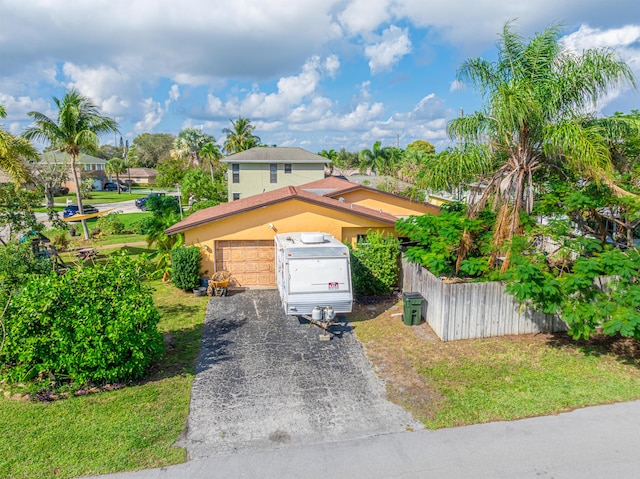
{"x": 114, "y": 187}
{"x": 141, "y": 202}
{"x": 71, "y": 210}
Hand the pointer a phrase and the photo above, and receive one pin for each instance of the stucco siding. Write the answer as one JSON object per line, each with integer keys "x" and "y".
{"x": 286, "y": 217}
{"x": 255, "y": 178}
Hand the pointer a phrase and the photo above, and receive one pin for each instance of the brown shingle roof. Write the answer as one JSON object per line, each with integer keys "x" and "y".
{"x": 264, "y": 154}
{"x": 287, "y": 193}
{"x": 143, "y": 172}
{"x": 333, "y": 186}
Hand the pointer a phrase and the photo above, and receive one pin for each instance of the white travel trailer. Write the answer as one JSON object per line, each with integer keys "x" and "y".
{"x": 313, "y": 273}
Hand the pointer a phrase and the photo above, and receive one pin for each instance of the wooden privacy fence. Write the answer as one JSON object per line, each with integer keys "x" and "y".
{"x": 473, "y": 310}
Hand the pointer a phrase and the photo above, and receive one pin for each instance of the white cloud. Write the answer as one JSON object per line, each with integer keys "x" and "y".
{"x": 153, "y": 114}
{"x": 456, "y": 85}
{"x": 18, "y": 108}
{"x": 331, "y": 65}
{"x": 174, "y": 93}
{"x": 290, "y": 92}
{"x": 393, "y": 45}
{"x": 587, "y": 37}
{"x": 102, "y": 85}
{"x": 364, "y": 16}
{"x": 625, "y": 41}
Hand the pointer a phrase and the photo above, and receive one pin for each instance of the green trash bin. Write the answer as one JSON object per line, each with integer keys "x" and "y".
{"x": 412, "y": 308}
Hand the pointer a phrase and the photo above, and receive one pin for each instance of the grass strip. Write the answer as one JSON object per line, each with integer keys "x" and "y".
{"x": 475, "y": 381}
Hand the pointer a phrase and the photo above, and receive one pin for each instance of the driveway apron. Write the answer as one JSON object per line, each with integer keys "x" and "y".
{"x": 264, "y": 381}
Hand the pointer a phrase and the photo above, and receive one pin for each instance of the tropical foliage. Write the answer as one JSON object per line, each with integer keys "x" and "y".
{"x": 165, "y": 211}
{"x": 13, "y": 151}
{"x": 375, "y": 264}
{"x": 152, "y": 148}
{"x": 240, "y": 136}
{"x": 78, "y": 126}
{"x": 189, "y": 143}
{"x": 185, "y": 267}
{"x": 557, "y": 208}
{"x": 91, "y": 325}
{"x": 537, "y": 120}
{"x": 116, "y": 166}
{"x": 17, "y": 211}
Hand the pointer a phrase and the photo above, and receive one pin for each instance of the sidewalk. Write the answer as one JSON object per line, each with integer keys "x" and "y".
{"x": 595, "y": 442}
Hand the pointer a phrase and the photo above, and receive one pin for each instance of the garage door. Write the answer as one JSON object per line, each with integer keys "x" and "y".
{"x": 251, "y": 263}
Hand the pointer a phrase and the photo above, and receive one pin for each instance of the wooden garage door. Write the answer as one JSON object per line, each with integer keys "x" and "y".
{"x": 251, "y": 263}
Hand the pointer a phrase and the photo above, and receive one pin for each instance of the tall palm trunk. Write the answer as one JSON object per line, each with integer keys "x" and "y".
{"x": 76, "y": 181}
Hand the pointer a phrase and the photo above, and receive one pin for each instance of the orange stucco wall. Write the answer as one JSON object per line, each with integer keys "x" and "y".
{"x": 287, "y": 217}
{"x": 394, "y": 205}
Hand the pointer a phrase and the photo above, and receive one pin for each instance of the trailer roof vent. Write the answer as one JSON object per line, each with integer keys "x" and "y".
{"x": 312, "y": 238}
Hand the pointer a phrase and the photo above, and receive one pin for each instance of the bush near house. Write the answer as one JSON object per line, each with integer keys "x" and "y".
{"x": 185, "y": 267}
{"x": 374, "y": 264}
{"x": 92, "y": 325}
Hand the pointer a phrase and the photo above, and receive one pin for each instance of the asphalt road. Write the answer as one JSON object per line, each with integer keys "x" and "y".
{"x": 265, "y": 381}
{"x": 591, "y": 443}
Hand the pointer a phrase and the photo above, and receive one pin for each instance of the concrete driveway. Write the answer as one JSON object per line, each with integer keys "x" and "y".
{"x": 265, "y": 381}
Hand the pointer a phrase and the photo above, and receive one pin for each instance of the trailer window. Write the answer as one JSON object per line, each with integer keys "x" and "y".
{"x": 316, "y": 275}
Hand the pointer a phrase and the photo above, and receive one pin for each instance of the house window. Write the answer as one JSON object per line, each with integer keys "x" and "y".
{"x": 235, "y": 169}
{"x": 273, "y": 172}
{"x": 236, "y": 196}
{"x": 287, "y": 168}
{"x": 361, "y": 239}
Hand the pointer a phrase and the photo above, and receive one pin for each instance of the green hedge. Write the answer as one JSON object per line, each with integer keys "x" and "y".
{"x": 185, "y": 267}
{"x": 375, "y": 265}
{"x": 92, "y": 325}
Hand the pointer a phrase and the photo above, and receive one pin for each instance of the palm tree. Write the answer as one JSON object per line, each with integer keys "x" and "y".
{"x": 211, "y": 152}
{"x": 116, "y": 166}
{"x": 13, "y": 150}
{"x": 240, "y": 137}
{"x": 78, "y": 125}
{"x": 376, "y": 159}
{"x": 188, "y": 144}
{"x": 537, "y": 99}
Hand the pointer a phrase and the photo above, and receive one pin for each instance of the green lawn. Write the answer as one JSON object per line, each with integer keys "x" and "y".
{"x": 495, "y": 379}
{"x": 97, "y": 197}
{"x": 131, "y": 428}
{"x": 102, "y": 197}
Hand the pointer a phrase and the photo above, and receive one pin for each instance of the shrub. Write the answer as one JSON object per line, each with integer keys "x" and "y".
{"x": 17, "y": 263}
{"x": 59, "y": 237}
{"x": 185, "y": 267}
{"x": 111, "y": 223}
{"x": 144, "y": 226}
{"x": 374, "y": 264}
{"x": 91, "y": 325}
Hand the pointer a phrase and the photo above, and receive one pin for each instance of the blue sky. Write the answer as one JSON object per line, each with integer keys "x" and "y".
{"x": 318, "y": 74}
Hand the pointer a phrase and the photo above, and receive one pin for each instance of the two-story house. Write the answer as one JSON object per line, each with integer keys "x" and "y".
{"x": 263, "y": 169}
{"x": 87, "y": 166}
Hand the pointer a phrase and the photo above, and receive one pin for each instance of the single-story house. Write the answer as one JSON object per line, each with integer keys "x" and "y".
{"x": 238, "y": 236}
{"x": 139, "y": 176}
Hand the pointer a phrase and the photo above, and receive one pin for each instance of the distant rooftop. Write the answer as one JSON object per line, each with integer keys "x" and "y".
{"x": 265, "y": 154}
